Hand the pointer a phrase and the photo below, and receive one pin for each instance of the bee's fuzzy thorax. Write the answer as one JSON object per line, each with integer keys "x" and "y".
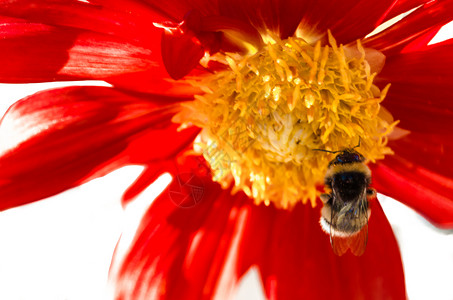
{"x": 348, "y": 167}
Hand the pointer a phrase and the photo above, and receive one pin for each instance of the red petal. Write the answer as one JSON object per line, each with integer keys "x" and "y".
{"x": 180, "y": 252}
{"x": 428, "y": 150}
{"x": 153, "y": 82}
{"x": 122, "y": 64}
{"x": 241, "y": 30}
{"x": 146, "y": 178}
{"x": 416, "y": 186}
{"x": 362, "y": 19}
{"x": 158, "y": 159}
{"x": 402, "y": 6}
{"x": 161, "y": 142}
{"x": 425, "y": 20}
{"x": 136, "y": 41}
{"x": 417, "y": 44}
{"x": 69, "y": 54}
{"x": 22, "y": 61}
{"x": 297, "y": 261}
{"x": 348, "y": 20}
{"x": 179, "y": 8}
{"x": 322, "y": 15}
{"x": 57, "y": 139}
{"x": 181, "y": 52}
{"x": 281, "y": 17}
{"x": 131, "y": 20}
{"x": 421, "y": 88}
{"x": 102, "y": 57}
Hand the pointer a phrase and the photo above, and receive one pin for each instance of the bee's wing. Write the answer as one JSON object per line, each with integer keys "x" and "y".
{"x": 339, "y": 244}
{"x": 357, "y": 212}
{"x": 357, "y": 243}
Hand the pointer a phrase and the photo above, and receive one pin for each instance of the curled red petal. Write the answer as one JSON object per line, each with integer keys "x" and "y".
{"x": 241, "y": 30}
{"x": 57, "y": 139}
{"x": 181, "y": 52}
{"x": 185, "y": 43}
{"x": 421, "y": 22}
{"x": 296, "y": 260}
{"x": 420, "y": 188}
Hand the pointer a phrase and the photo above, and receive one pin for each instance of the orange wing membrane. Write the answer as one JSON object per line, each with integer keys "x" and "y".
{"x": 356, "y": 243}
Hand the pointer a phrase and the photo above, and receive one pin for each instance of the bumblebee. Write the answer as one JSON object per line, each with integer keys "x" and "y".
{"x": 346, "y": 211}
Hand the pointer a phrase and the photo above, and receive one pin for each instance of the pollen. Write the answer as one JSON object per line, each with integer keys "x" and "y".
{"x": 264, "y": 115}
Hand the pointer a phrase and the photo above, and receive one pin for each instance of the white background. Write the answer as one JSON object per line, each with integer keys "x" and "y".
{"x": 60, "y": 248}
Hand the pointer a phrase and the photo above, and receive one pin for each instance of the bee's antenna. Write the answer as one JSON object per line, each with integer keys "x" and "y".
{"x": 358, "y": 145}
{"x": 325, "y": 150}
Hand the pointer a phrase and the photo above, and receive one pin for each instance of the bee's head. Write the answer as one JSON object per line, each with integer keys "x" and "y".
{"x": 346, "y": 157}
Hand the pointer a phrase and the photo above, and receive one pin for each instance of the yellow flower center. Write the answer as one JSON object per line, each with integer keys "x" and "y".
{"x": 265, "y": 115}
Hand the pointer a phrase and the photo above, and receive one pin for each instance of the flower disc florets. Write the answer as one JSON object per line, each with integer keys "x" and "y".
{"x": 264, "y": 116}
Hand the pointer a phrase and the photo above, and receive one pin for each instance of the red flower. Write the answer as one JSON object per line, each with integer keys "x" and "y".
{"x": 157, "y": 56}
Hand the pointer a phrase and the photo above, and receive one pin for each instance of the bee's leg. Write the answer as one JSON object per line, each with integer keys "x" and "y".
{"x": 370, "y": 192}
{"x": 325, "y": 198}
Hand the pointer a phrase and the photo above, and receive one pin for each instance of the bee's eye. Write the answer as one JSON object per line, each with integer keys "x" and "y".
{"x": 356, "y": 157}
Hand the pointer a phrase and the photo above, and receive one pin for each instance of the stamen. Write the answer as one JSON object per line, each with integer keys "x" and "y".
{"x": 262, "y": 118}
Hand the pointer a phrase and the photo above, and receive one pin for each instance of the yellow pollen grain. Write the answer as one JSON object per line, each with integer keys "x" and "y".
{"x": 262, "y": 119}
{"x": 309, "y": 99}
{"x": 276, "y": 93}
